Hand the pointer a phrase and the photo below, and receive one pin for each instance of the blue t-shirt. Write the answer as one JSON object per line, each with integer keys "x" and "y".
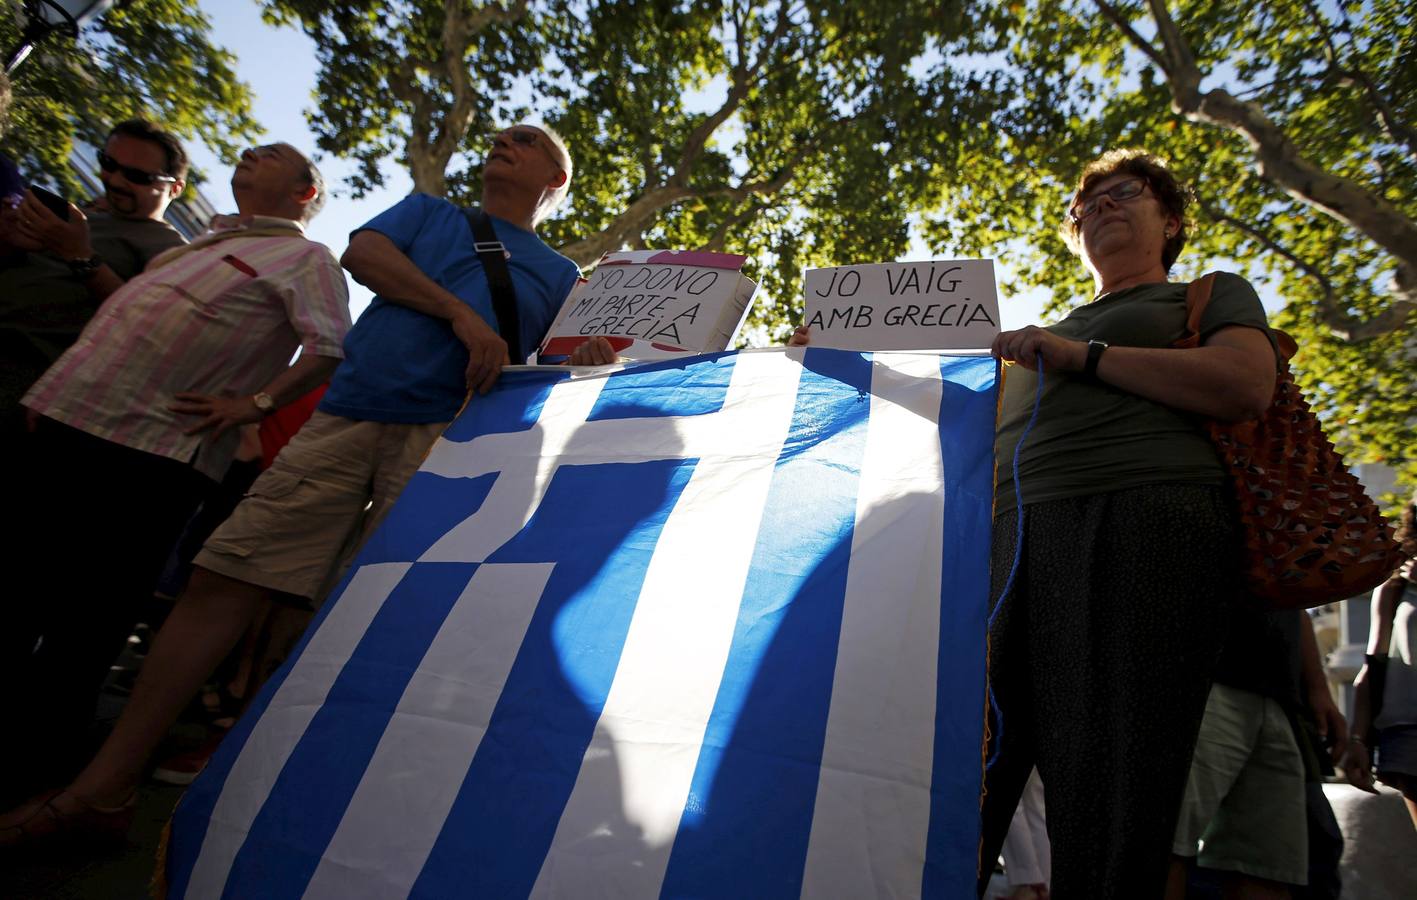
{"x": 401, "y": 365}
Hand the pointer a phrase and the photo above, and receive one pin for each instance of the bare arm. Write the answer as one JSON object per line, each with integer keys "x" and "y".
{"x": 1383, "y": 610}
{"x": 68, "y": 240}
{"x": 103, "y": 282}
{"x": 1230, "y": 377}
{"x": 220, "y": 413}
{"x": 1358, "y": 763}
{"x": 1332, "y": 726}
{"x": 377, "y": 264}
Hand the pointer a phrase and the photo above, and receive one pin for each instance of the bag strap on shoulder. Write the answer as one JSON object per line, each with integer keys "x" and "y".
{"x": 1198, "y": 298}
{"x": 492, "y": 252}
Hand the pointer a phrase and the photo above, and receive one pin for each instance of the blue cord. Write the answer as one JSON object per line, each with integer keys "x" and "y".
{"x": 1018, "y": 555}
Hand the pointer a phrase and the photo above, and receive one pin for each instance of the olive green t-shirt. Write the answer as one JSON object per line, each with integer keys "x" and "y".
{"x": 43, "y": 306}
{"x": 1091, "y": 437}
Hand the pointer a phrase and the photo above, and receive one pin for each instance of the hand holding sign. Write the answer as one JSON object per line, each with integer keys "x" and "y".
{"x": 649, "y": 304}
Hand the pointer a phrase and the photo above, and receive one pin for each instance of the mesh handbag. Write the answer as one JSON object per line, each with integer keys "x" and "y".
{"x": 1312, "y": 535}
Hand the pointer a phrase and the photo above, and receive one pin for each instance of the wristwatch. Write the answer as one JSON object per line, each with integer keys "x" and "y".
{"x": 264, "y": 402}
{"x": 1094, "y": 353}
{"x": 84, "y": 268}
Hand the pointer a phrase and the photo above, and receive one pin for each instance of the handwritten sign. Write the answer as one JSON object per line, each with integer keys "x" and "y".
{"x": 932, "y": 305}
{"x": 651, "y": 304}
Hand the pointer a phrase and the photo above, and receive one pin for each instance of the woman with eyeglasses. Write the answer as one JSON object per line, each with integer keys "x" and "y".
{"x": 1102, "y": 653}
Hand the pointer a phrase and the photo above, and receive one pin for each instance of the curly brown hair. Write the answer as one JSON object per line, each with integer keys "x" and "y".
{"x": 1173, "y": 196}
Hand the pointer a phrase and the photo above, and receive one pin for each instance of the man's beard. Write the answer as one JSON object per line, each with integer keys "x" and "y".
{"x": 120, "y": 201}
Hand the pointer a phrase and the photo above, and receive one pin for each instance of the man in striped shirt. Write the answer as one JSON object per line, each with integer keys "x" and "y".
{"x": 137, "y": 419}
{"x": 430, "y": 337}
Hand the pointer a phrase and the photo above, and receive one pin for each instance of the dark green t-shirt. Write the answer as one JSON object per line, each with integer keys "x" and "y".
{"x": 1090, "y": 437}
{"x": 43, "y": 306}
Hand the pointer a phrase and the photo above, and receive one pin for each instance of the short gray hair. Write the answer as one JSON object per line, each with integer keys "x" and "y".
{"x": 553, "y": 199}
{"x": 311, "y": 178}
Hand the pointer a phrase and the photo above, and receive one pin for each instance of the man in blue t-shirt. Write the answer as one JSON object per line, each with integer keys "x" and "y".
{"x": 429, "y": 338}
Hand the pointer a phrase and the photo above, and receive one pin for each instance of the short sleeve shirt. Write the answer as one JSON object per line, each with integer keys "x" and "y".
{"x": 44, "y": 306}
{"x": 1091, "y": 437}
{"x": 401, "y": 365}
{"x": 1262, "y": 652}
{"x": 225, "y": 314}
{"x": 1400, "y": 687}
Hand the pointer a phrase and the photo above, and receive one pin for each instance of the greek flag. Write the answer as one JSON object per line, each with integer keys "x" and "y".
{"x": 700, "y": 628}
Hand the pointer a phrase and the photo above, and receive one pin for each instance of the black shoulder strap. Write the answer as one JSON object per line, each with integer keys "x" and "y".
{"x": 504, "y": 294}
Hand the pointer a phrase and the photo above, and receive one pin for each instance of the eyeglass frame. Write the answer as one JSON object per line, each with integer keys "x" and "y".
{"x": 525, "y": 134}
{"x": 1095, "y": 200}
{"x": 133, "y": 174}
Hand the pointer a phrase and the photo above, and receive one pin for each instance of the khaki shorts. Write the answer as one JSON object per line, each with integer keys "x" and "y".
{"x": 1244, "y": 801}
{"x": 306, "y": 516}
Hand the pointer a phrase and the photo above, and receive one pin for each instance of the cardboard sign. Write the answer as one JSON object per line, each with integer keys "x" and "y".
{"x": 652, "y": 304}
{"x": 932, "y": 305}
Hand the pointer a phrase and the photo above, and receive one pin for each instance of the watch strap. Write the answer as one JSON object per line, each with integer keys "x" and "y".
{"x": 84, "y": 268}
{"x": 1094, "y": 355}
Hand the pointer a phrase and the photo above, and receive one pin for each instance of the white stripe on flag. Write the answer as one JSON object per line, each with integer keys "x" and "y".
{"x": 524, "y": 461}
{"x": 398, "y": 809}
{"x": 669, "y": 671}
{"x": 873, "y": 793}
{"x": 527, "y": 460}
{"x": 282, "y": 725}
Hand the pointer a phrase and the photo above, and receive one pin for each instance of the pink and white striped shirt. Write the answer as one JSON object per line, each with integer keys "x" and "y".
{"x": 222, "y": 314}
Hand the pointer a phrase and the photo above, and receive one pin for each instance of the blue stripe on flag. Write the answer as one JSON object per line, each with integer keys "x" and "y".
{"x": 748, "y": 818}
{"x": 308, "y": 798}
{"x": 967, "y": 412}
{"x": 600, "y": 523}
{"x": 514, "y": 406}
{"x": 192, "y": 815}
{"x": 658, "y": 390}
{"x": 429, "y": 507}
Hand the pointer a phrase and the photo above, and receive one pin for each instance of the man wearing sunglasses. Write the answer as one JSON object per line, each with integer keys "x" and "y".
{"x": 57, "y": 271}
{"x": 136, "y": 422}
{"x": 429, "y": 339}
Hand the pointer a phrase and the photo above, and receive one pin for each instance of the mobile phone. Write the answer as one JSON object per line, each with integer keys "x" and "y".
{"x": 57, "y": 204}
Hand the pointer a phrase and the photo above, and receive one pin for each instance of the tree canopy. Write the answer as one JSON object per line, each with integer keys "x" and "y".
{"x": 152, "y": 58}
{"x": 822, "y": 132}
{"x": 737, "y": 126}
{"x": 1294, "y": 123}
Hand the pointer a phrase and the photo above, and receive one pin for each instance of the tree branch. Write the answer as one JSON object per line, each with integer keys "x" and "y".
{"x": 459, "y": 30}
{"x": 428, "y": 176}
{"x": 1178, "y": 52}
{"x": 626, "y": 225}
{"x": 737, "y": 92}
{"x": 1120, "y": 22}
{"x": 719, "y": 239}
{"x": 1277, "y": 157}
{"x": 1343, "y": 326}
{"x": 1393, "y": 128}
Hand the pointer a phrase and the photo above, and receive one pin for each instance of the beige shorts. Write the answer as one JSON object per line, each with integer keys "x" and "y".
{"x": 306, "y": 516}
{"x": 1244, "y": 802}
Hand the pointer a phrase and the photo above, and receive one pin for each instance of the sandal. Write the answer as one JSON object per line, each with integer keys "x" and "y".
{"x": 41, "y": 820}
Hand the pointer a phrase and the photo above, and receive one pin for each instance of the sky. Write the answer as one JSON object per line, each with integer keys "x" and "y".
{"x": 280, "y": 67}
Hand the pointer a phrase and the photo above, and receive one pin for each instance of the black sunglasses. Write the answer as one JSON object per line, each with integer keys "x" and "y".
{"x": 530, "y": 138}
{"x": 136, "y": 176}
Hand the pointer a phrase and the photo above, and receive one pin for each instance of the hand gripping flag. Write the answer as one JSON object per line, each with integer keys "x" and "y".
{"x": 703, "y": 628}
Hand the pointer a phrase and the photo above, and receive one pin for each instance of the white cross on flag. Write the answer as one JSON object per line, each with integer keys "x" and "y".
{"x": 711, "y": 627}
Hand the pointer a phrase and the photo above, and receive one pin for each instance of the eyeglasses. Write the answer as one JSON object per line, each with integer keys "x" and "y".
{"x": 1120, "y": 193}
{"x": 529, "y": 137}
{"x": 136, "y": 176}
